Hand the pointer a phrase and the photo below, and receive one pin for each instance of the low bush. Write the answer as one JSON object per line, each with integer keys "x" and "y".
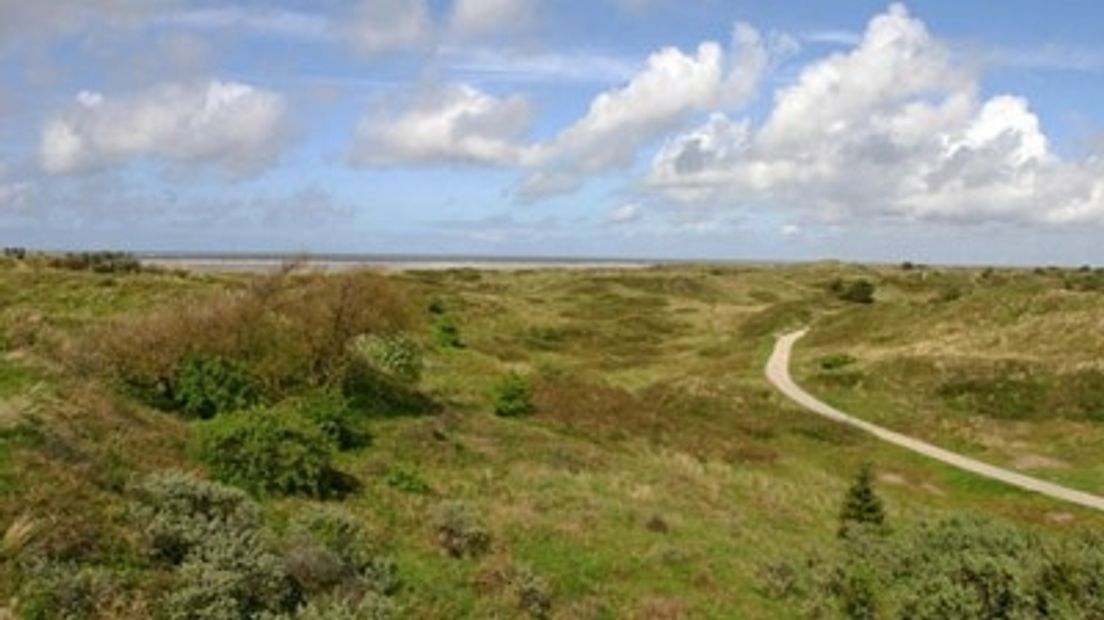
{"x": 375, "y": 393}
{"x": 62, "y": 590}
{"x": 178, "y": 513}
{"x": 98, "y": 262}
{"x": 293, "y": 333}
{"x": 966, "y": 568}
{"x": 210, "y": 385}
{"x": 446, "y": 333}
{"x": 534, "y": 596}
{"x": 395, "y": 355}
{"x": 860, "y": 291}
{"x": 225, "y": 566}
{"x": 837, "y": 361}
{"x": 368, "y": 607}
{"x": 336, "y": 417}
{"x": 408, "y": 481}
{"x": 512, "y": 396}
{"x": 269, "y": 450}
{"x": 330, "y": 549}
{"x": 458, "y": 532}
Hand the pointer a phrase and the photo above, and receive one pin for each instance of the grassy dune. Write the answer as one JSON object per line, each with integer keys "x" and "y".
{"x": 659, "y": 476}
{"x": 1006, "y": 368}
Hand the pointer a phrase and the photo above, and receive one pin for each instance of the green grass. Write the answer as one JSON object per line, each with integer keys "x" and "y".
{"x": 659, "y": 471}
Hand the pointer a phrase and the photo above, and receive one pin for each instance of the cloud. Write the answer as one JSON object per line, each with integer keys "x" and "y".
{"x": 658, "y": 99}
{"x": 892, "y": 129}
{"x": 269, "y": 21}
{"x": 14, "y": 194}
{"x": 845, "y": 38}
{"x": 228, "y": 125}
{"x": 20, "y": 20}
{"x": 1047, "y": 57}
{"x": 625, "y": 214}
{"x": 379, "y": 26}
{"x": 462, "y": 124}
{"x": 453, "y": 124}
{"x": 473, "y": 18}
{"x": 523, "y": 66}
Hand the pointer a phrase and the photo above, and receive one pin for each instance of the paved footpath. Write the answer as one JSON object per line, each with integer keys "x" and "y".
{"x": 778, "y": 373}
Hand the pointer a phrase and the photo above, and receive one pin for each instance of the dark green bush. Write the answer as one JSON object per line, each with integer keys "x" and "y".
{"x": 269, "y": 450}
{"x": 375, "y": 393}
{"x": 512, "y": 396}
{"x": 837, "y": 361}
{"x": 336, "y": 417}
{"x": 859, "y": 291}
{"x": 98, "y": 262}
{"x": 446, "y": 333}
{"x": 458, "y": 532}
{"x": 209, "y": 385}
{"x": 408, "y": 481}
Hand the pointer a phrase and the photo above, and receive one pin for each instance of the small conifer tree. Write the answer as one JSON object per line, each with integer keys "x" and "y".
{"x": 861, "y": 505}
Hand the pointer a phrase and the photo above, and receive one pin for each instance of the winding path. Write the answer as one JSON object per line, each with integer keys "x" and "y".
{"x": 778, "y": 373}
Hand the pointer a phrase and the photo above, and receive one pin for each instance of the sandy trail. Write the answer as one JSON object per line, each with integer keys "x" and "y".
{"x": 778, "y": 373}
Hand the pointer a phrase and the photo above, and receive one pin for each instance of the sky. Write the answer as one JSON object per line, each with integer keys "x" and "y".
{"x": 931, "y": 131}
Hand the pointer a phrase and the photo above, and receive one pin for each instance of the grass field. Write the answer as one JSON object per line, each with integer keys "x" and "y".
{"x": 659, "y": 474}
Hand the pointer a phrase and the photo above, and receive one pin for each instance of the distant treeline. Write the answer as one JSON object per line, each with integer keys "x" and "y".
{"x": 98, "y": 262}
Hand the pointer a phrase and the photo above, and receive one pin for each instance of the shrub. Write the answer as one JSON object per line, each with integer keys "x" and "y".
{"x": 512, "y": 396}
{"x": 1008, "y": 393}
{"x": 408, "y": 481}
{"x": 859, "y": 291}
{"x": 534, "y": 597}
{"x": 58, "y": 590}
{"x": 368, "y": 607}
{"x": 375, "y": 393}
{"x": 458, "y": 532}
{"x": 209, "y": 385}
{"x": 292, "y": 332}
{"x": 178, "y": 513}
{"x": 837, "y": 361}
{"x": 351, "y": 559}
{"x": 99, "y": 262}
{"x": 269, "y": 450}
{"x": 230, "y": 578}
{"x": 336, "y": 417}
{"x": 395, "y": 355}
{"x": 861, "y": 505}
{"x": 446, "y": 334}
{"x": 214, "y": 537}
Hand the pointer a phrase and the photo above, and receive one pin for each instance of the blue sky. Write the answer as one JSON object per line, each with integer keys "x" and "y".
{"x": 932, "y": 131}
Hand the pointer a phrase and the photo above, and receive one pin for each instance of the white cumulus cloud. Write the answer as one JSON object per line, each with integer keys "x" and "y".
{"x": 229, "y": 125}
{"x": 672, "y": 86}
{"x": 894, "y": 129}
{"x": 453, "y": 124}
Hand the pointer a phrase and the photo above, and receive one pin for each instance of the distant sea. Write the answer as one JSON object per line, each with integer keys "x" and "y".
{"x": 260, "y": 261}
